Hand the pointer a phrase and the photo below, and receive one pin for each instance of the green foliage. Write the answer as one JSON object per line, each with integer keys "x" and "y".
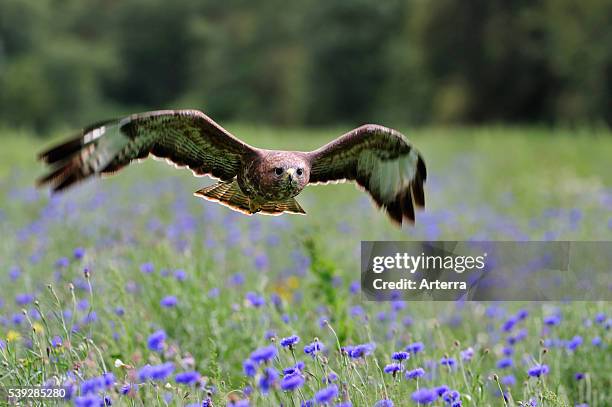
{"x": 310, "y": 62}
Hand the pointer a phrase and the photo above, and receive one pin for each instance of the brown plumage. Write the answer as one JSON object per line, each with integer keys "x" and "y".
{"x": 252, "y": 180}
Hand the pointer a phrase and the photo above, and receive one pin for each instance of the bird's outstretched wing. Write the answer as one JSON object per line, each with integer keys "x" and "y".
{"x": 184, "y": 137}
{"x": 380, "y": 160}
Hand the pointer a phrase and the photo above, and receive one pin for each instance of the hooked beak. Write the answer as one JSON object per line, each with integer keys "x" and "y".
{"x": 291, "y": 174}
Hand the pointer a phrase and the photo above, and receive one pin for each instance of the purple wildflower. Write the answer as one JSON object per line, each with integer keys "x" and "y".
{"x": 190, "y": 377}
{"x": 24, "y": 299}
{"x": 415, "y": 373}
{"x": 156, "y": 372}
{"x": 56, "y": 341}
{"x": 157, "y": 340}
{"x": 249, "y": 368}
{"x": 446, "y": 361}
{"x": 392, "y": 368}
{"x": 384, "y": 403}
{"x": 255, "y": 300}
{"x": 467, "y": 354}
{"x": 313, "y": 348}
{"x": 579, "y": 376}
{"x": 267, "y": 380}
{"x": 79, "y": 253}
{"x": 400, "y": 356}
{"x": 509, "y": 380}
{"x": 440, "y": 390}
{"x": 327, "y": 394}
{"x": 147, "y": 268}
{"x": 424, "y": 396}
{"x": 168, "y": 301}
{"x": 504, "y": 363}
{"x": 289, "y": 341}
{"x": 552, "y": 320}
{"x": 574, "y": 343}
{"x": 415, "y": 347}
{"x": 292, "y": 382}
{"x": 89, "y": 400}
{"x": 264, "y": 354}
{"x": 538, "y": 370}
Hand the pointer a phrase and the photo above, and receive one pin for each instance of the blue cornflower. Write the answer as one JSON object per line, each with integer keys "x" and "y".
{"x": 327, "y": 394}
{"x": 467, "y": 354}
{"x": 180, "y": 275}
{"x": 89, "y": 400}
{"x": 24, "y": 299}
{"x": 237, "y": 279}
{"x": 600, "y": 318}
{"x": 119, "y": 311}
{"x": 261, "y": 261}
{"x": 415, "y": 347}
{"x": 62, "y": 262}
{"x": 400, "y": 356}
{"x": 92, "y": 385}
{"x": 147, "y": 268}
{"x": 415, "y": 373}
{"x": 579, "y": 376}
{"x": 289, "y": 341}
{"x": 168, "y": 301}
{"x": 450, "y": 396}
{"x": 424, "y": 396}
{"x": 127, "y": 388}
{"x": 440, "y": 390}
{"x": 552, "y": 320}
{"x": 359, "y": 351}
{"x": 313, "y": 348}
{"x": 292, "y": 381}
{"x": 522, "y": 314}
{"x": 294, "y": 369}
{"x": 255, "y": 300}
{"x": 574, "y": 343}
{"x": 79, "y": 253}
{"x": 596, "y": 341}
{"x": 14, "y": 273}
{"x": 330, "y": 378}
{"x": 504, "y": 363}
{"x": 538, "y": 370}
{"x": 384, "y": 403}
{"x": 239, "y": 403}
{"x": 264, "y": 354}
{"x": 56, "y": 341}
{"x": 190, "y": 377}
{"x": 156, "y": 372}
{"x": 450, "y": 362}
{"x": 349, "y": 404}
{"x": 392, "y": 368}
{"x": 509, "y": 380}
{"x": 157, "y": 340}
{"x": 509, "y": 324}
{"x": 267, "y": 380}
{"x": 109, "y": 379}
{"x": 249, "y": 368}
{"x": 508, "y": 350}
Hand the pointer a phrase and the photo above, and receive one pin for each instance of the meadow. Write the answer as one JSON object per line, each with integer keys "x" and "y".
{"x": 131, "y": 291}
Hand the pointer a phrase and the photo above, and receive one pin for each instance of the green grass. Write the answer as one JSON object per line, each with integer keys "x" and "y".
{"x": 487, "y": 183}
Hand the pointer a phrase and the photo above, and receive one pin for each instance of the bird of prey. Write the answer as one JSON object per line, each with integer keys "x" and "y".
{"x": 251, "y": 180}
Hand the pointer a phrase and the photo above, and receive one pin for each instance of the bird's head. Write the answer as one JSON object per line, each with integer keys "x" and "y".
{"x": 285, "y": 171}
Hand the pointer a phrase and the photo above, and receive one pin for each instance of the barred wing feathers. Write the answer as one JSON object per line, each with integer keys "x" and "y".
{"x": 186, "y": 138}
{"x": 381, "y": 161}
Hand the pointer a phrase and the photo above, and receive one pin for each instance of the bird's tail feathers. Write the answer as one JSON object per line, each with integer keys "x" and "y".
{"x": 228, "y": 193}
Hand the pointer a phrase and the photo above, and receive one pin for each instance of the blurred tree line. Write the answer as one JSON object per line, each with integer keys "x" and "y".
{"x": 307, "y": 63}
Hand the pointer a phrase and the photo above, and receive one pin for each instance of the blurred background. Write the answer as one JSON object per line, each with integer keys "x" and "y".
{"x": 308, "y": 63}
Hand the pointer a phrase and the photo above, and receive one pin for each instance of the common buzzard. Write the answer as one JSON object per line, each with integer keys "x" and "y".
{"x": 251, "y": 180}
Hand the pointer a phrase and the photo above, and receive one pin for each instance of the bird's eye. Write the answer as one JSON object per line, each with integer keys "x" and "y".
{"x": 278, "y": 170}
{"x": 299, "y": 171}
